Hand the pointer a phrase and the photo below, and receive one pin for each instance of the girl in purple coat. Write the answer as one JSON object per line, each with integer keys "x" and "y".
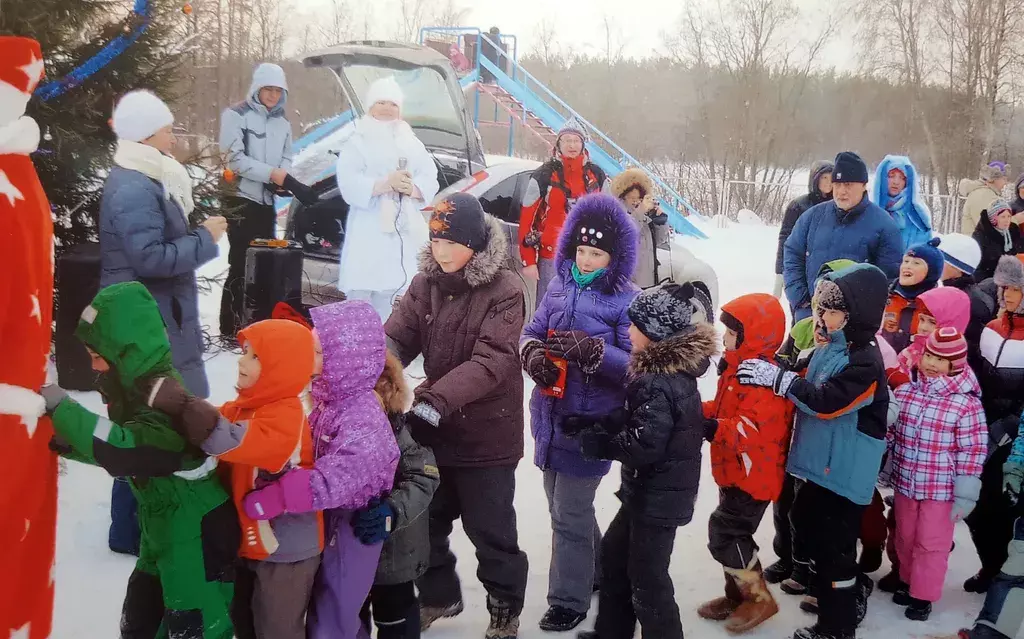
{"x": 355, "y": 456}
{"x": 582, "y": 320}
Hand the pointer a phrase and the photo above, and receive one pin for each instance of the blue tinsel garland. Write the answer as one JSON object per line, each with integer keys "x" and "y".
{"x": 117, "y": 46}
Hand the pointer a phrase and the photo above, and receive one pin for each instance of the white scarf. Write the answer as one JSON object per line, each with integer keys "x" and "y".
{"x": 170, "y": 173}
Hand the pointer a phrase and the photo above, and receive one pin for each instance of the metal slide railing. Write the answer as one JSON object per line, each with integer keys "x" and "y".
{"x": 554, "y": 112}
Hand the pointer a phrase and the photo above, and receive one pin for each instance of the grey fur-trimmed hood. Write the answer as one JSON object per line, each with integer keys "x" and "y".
{"x": 688, "y": 353}
{"x": 485, "y": 264}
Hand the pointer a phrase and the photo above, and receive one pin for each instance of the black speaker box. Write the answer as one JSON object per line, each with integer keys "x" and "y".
{"x": 78, "y": 281}
{"x": 272, "y": 274}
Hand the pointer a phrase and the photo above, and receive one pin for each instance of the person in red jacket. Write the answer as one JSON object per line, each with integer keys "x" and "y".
{"x": 749, "y": 431}
{"x": 28, "y": 494}
{"x": 553, "y": 190}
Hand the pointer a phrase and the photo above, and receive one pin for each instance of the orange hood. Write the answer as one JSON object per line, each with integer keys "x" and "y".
{"x": 285, "y": 351}
{"x": 764, "y": 327}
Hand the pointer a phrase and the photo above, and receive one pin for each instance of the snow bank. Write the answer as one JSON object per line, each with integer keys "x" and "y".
{"x": 748, "y": 217}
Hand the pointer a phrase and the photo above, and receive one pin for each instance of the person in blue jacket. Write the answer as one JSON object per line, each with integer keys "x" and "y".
{"x": 848, "y": 227}
{"x": 145, "y": 236}
{"x": 896, "y": 190}
{"x": 838, "y": 440}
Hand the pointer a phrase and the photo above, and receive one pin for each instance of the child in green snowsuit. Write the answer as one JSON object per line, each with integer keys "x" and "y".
{"x": 183, "y": 582}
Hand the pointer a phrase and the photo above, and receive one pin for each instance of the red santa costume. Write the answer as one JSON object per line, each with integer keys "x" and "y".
{"x": 28, "y": 492}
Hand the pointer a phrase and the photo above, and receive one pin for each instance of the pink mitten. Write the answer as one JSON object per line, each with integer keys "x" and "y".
{"x": 289, "y": 494}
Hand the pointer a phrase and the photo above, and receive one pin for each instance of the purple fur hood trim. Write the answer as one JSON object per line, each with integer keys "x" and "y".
{"x": 606, "y": 211}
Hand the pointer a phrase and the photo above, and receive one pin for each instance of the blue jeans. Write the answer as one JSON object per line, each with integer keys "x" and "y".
{"x": 124, "y": 519}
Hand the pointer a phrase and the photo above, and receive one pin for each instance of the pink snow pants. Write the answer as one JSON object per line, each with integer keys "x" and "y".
{"x": 924, "y": 534}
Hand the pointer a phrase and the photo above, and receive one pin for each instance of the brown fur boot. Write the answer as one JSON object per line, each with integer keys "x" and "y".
{"x": 722, "y": 608}
{"x": 758, "y": 604}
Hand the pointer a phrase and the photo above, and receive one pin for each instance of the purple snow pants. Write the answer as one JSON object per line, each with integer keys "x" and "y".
{"x": 346, "y": 574}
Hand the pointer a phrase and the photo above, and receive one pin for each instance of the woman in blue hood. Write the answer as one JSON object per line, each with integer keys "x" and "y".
{"x": 896, "y": 190}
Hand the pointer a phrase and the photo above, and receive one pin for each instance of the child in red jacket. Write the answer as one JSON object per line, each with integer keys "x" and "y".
{"x": 749, "y": 431}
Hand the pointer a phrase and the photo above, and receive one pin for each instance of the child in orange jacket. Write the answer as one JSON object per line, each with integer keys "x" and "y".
{"x": 749, "y": 430}
{"x": 263, "y": 434}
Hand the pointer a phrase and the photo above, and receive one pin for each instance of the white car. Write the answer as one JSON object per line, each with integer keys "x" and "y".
{"x": 436, "y": 110}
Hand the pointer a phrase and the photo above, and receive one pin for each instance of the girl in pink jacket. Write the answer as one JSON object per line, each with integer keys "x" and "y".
{"x": 937, "y": 449}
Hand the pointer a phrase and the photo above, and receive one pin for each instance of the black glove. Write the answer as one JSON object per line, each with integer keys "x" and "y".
{"x": 537, "y": 365}
{"x": 423, "y": 414}
{"x": 596, "y": 443}
{"x": 710, "y": 428}
{"x": 573, "y": 425}
{"x": 60, "y": 446}
{"x": 612, "y": 423}
{"x": 577, "y": 347}
{"x": 657, "y": 217}
{"x": 302, "y": 193}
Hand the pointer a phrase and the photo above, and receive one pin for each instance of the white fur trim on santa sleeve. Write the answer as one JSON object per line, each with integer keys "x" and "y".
{"x": 24, "y": 403}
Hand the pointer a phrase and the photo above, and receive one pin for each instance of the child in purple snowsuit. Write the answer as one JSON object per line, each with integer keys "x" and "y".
{"x": 355, "y": 460}
{"x": 582, "y": 319}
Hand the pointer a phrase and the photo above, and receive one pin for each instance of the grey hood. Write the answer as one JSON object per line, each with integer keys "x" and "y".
{"x": 267, "y": 75}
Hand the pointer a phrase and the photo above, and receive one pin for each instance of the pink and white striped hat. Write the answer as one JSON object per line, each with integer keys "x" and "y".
{"x": 949, "y": 343}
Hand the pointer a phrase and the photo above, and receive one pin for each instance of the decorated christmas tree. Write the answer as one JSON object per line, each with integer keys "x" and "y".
{"x": 95, "y": 51}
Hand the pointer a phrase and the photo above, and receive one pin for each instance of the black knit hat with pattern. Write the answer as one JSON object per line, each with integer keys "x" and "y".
{"x": 459, "y": 218}
{"x": 663, "y": 311}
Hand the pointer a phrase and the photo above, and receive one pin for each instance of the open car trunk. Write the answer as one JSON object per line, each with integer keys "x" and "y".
{"x": 435, "y": 105}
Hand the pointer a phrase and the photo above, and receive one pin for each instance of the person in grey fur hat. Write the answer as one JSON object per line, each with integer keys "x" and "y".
{"x": 657, "y": 436}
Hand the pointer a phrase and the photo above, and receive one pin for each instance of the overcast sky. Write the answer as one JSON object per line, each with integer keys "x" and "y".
{"x": 637, "y": 24}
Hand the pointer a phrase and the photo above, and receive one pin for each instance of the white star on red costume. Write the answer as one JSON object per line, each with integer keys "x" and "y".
{"x": 34, "y": 71}
{"x": 8, "y": 189}
{"x": 36, "y": 313}
{"x": 22, "y": 633}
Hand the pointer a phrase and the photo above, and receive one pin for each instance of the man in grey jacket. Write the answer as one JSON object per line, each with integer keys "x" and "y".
{"x": 256, "y": 139}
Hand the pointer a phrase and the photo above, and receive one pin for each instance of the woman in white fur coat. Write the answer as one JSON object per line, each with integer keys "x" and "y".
{"x": 386, "y": 176}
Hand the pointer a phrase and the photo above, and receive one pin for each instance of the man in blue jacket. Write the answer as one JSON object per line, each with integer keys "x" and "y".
{"x": 850, "y": 226}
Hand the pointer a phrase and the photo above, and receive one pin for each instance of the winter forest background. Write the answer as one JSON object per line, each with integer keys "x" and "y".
{"x": 736, "y": 96}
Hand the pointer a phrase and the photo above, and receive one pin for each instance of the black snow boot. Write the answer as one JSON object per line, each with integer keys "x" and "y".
{"x": 816, "y": 632}
{"x": 504, "y": 622}
{"x": 892, "y": 583}
{"x": 809, "y": 605}
{"x": 587, "y": 634}
{"x": 778, "y": 572}
{"x": 919, "y": 610}
{"x": 979, "y": 583}
{"x": 559, "y": 619}
{"x": 408, "y": 628}
{"x": 799, "y": 581}
{"x": 902, "y": 597}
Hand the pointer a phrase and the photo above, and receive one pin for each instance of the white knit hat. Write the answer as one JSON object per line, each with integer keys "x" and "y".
{"x": 384, "y": 90}
{"x": 961, "y": 252}
{"x": 139, "y": 115}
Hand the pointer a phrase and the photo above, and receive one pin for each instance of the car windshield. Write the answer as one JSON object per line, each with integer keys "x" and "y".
{"x": 428, "y": 106}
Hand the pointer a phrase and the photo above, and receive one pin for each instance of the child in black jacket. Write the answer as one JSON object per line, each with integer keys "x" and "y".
{"x": 658, "y": 439}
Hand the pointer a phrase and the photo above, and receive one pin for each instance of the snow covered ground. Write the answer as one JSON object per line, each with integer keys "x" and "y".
{"x": 91, "y": 580}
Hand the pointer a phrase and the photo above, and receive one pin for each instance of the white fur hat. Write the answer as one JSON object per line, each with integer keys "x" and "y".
{"x": 384, "y": 90}
{"x": 139, "y": 115}
{"x": 961, "y": 252}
